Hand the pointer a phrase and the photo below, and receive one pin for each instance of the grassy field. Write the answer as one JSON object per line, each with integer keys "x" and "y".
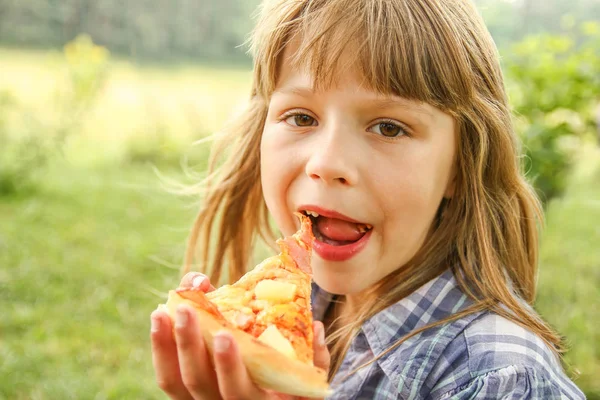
{"x": 92, "y": 250}
{"x": 85, "y": 261}
{"x": 569, "y": 282}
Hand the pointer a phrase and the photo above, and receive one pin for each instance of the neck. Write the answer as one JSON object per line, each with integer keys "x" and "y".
{"x": 350, "y": 305}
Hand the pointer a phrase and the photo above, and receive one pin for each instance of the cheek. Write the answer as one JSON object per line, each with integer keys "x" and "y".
{"x": 268, "y": 174}
{"x": 276, "y": 176}
{"x": 410, "y": 197}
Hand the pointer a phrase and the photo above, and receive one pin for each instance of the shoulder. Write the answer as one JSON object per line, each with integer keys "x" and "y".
{"x": 493, "y": 340}
{"x": 476, "y": 356}
{"x": 494, "y": 355}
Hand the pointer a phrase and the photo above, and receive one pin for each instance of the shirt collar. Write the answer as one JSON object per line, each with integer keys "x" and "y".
{"x": 320, "y": 301}
{"x": 437, "y": 299}
{"x": 434, "y": 301}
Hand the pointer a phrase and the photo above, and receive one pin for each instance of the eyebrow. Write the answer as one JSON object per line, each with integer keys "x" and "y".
{"x": 385, "y": 102}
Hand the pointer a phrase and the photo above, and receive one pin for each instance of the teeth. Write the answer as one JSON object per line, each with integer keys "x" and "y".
{"x": 362, "y": 228}
{"x": 318, "y": 236}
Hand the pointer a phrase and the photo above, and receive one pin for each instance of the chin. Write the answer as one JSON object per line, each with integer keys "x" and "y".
{"x": 335, "y": 280}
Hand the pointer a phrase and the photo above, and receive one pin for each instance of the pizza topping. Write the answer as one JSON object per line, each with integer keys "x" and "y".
{"x": 244, "y": 320}
{"x": 338, "y": 232}
{"x": 275, "y": 291}
{"x": 299, "y": 245}
{"x": 259, "y": 305}
{"x": 272, "y": 337}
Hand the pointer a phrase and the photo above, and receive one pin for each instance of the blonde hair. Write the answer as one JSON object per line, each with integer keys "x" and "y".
{"x": 433, "y": 51}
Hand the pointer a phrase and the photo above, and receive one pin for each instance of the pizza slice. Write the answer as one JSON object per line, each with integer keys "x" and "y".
{"x": 268, "y": 312}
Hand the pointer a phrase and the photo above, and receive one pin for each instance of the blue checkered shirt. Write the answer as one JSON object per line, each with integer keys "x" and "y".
{"x": 480, "y": 356}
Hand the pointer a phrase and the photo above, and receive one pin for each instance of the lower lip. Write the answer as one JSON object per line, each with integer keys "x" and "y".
{"x": 340, "y": 253}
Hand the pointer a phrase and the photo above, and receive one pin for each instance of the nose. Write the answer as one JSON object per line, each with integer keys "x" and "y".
{"x": 332, "y": 159}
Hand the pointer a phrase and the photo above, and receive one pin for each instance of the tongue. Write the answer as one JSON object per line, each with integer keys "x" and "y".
{"x": 336, "y": 229}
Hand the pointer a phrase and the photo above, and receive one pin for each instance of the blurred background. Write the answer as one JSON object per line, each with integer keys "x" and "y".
{"x": 101, "y": 101}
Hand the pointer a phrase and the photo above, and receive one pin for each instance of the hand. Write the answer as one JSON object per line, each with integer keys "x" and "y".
{"x": 184, "y": 368}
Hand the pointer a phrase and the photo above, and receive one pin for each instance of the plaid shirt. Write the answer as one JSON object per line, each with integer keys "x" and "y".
{"x": 480, "y": 356}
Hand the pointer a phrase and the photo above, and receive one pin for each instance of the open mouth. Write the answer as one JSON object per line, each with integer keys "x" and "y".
{"x": 335, "y": 229}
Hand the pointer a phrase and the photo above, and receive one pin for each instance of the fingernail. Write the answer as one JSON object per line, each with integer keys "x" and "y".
{"x": 321, "y": 335}
{"x": 181, "y": 317}
{"x": 221, "y": 343}
{"x": 154, "y": 323}
{"x": 197, "y": 281}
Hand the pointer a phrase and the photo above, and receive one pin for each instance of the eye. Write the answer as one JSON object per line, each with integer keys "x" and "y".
{"x": 299, "y": 119}
{"x": 388, "y": 129}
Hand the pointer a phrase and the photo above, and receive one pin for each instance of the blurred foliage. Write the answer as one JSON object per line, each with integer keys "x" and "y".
{"x": 211, "y": 30}
{"x": 22, "y": 156}
{"x": 87, "y": 71}
{"x": 158, "y": 30}
{"x": 27, "y": 149}
{"x": 154, "y": 141}
{"x": 554, "y": 83}
{"x": 155, "y": 145}
{"x": 88, "y": 68}
{"x": 31, "y": 139}
{"x": 569, "y": 277}
{"x": 511, "y": 20}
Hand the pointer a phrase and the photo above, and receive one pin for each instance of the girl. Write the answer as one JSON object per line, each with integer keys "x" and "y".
{"x": 386, "y": 121}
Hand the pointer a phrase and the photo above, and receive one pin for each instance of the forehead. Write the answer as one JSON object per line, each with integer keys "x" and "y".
{"x": 296, "y": 70}
{"x": 295, "y": 78}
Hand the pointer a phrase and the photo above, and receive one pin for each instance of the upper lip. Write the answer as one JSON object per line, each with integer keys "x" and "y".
{"x": 327, "y": 213}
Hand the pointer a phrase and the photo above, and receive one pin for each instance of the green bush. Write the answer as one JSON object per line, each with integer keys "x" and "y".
{"x": 28, "y": 141}
{"x": 554, "y": 82}
{"x": 154, "y": 145}
{"x": 87, "y": 72}
{"x": 157, "y": 143}
{"x": 21, "y": 156}
{"x": 159, "y": 147}
{"x": 88, "y": 68}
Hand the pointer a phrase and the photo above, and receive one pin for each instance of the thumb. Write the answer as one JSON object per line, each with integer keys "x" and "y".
{"x": 196, "y": 280}
{"x": 322, "y": 358}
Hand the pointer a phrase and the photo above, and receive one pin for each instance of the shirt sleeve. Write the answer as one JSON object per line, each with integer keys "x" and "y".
{"x": 514, "y": 383}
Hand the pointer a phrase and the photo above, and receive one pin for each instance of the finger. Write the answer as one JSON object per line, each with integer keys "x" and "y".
{"x": 322, "y": 358}
{"x": 196, "y": 280}
{"x": 197, "y": 372}
{"x": 164, "y": 357}
{"x": 234, "y": 381}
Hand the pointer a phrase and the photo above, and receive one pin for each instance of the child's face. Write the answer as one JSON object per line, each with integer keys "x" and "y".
{"x": 384, "y": 162}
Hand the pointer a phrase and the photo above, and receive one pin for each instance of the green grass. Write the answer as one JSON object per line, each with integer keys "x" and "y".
{"x": 84, "y": 263}
{"x": 89, "y": 253}
{"x": 569, "y": 282}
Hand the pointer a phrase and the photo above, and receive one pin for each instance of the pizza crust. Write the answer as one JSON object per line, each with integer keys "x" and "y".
{"x": 267, "y": 367}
